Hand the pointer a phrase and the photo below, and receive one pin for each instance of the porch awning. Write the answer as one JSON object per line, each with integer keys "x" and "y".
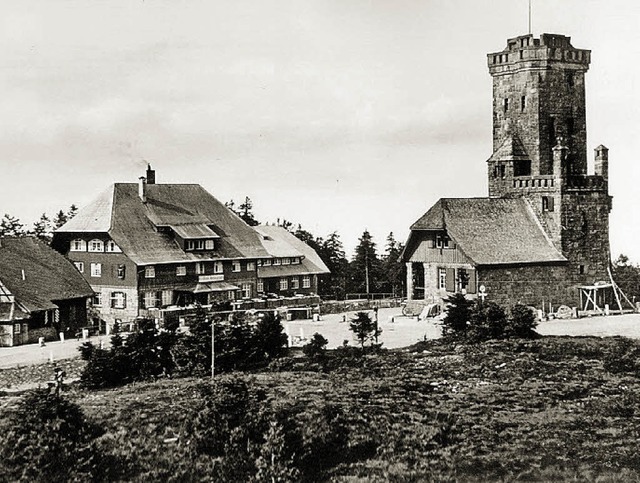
{"x": 207, "y": 287}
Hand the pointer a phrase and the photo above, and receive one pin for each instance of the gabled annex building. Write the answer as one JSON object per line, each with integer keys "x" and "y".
{"x": 543, "y": 231}
{"x": 41, "y": 293}
{"x": 147, "y": 246}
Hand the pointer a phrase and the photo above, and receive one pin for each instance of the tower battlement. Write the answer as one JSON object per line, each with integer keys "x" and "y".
{"x": 527, "y": 52}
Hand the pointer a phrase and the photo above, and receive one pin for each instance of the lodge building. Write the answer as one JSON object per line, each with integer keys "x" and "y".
{"x": 148, "y": 246}
{"x": 543, "y": 231}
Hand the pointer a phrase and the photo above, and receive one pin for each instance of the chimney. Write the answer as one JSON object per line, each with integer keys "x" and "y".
{"x": 602, "y": 162}
{"x": 142, "y": 188}
{"x": 151, "y": 175}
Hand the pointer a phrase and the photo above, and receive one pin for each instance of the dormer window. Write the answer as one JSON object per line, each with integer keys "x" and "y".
{"x": 442, "y": 240}
{"x": 96, "y": 246}
{"x": 192, "y": 245}
{"x": 111, "y": 247}
{"x": 295, "y": 261}
{"x": 78, "y": 246}
{"x": 276, "y": 261}
{"x": 286, "y": 261}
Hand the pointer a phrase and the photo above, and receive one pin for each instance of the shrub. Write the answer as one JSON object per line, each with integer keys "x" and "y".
{"x": 522, "y": 322}
{"x": 269, "y": 338}
{"x": 487, "y": 320}
{"x": 364, "y": 328}
{"x": 315, "y": 348}
{"x": 457, "y": 316}
{"x": 47, "y": 439}
{"x": 143, "y": 355}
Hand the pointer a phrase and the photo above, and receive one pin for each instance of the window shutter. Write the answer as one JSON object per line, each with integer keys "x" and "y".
{"x": 550, "y": 198}
{"x": 451, "y": 280}
{"x": 471, "y": 288}
{"x": 124, "y": 300}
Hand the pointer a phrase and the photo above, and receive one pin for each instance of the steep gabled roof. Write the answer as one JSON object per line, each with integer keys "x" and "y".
{"x": 492, "y": 231}
{"x": 95, "y": 217}
{"x": 48, "y": 276}
{"x": 134, "y": 224}
{"x": 282, "y": 243}
{"x": 510, "y": 149}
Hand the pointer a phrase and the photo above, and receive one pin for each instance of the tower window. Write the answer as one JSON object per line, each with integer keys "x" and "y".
{"x": 547, "y": 203}
{"x": 581, "y": 269}
{"x": 506, "y": 104}
{"x": 522, "y": 167}
{"x": 523, "y": 103}
{"x": 570, "y": 79}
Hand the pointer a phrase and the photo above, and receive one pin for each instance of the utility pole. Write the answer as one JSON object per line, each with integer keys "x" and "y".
{"x": 366, "y": 269}
{"x": 213, "y": 349}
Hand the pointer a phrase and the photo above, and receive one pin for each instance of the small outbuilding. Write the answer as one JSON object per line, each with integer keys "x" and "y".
{"x": 41, "y": 293}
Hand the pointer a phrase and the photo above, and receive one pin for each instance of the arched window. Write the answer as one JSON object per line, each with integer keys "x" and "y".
{"x": 96, "y": 246}
{"x": 78, "y": 245}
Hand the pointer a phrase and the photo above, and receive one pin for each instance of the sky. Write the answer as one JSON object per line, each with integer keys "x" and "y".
{"x": 338, "y": 115}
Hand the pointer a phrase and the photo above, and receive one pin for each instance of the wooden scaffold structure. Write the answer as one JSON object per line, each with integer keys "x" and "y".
{"x": 593, "y": 298}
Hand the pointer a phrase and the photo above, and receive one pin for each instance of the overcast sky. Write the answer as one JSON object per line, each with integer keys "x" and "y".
{"x": 340, "y": 115}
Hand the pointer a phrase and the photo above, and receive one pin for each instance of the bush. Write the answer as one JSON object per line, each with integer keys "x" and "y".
{"x": 144, "y": 355}
{"x": 251, "y": 440}
{"x": 487, "y": 320}
{"x": 457, "y": 315}
{"x": 47, "y": 439}
{"x": 522, "y": 322}
{"x": 316, "y": 347}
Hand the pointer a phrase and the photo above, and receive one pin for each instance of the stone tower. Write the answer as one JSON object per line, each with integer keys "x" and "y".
{"x": 539, "y": 148}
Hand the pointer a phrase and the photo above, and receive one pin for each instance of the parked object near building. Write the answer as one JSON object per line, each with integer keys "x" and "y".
{"x": 543, "y": 232}
{"x": 41, "y": 293}
{"x": 148, "y": 246}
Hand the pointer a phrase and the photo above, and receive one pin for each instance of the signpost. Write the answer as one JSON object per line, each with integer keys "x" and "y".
{"x": 483, "y": 292}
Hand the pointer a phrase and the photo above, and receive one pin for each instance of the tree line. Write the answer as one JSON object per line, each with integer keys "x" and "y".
{"x": 43, "y": 228}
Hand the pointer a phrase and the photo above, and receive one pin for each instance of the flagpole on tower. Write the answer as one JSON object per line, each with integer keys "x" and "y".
{"x": 529, "y": 17}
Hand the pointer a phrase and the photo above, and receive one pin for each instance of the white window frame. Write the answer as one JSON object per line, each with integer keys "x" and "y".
{"x": 149, "y": 271}
{"x": 284, "y": 284}
{"x": 118, "y": 300}
{"x": 251, "y": 266}
{"x": 442, "y": 240}
{"x": 218, "y": 267}
{"x": 266, "y": 263}
{"x": 96, "y": 270}
{"x": 286, "y": 261}
{"x": 442, "y": 278}
{"x": 78, "y": 245}
{"x": 260, "y": 287}
{"x": 79, "y": 266}
{"x": 190, "y": 245}
{"x": 17, "y": 328}
{"x": 167, "y": 297}
{"x": 97, "y": 299}
{"x": 209, "y": 245}
{"x": 181, "y": 271}
{"x": 295, "y": 261}
{"x": 199, "y": 268}
{"x": 111, "y": 247}
{"x": 247, "y": 290}
{"x": 306, "y": 281}
{"x": 96, "y": 246}
{"x": 295, "y": 283}
{"x": 150, "y": 300}
{"x": 121, "y": 271}
{"x": 276, "y": 262}
{"x": 236, "y": 266}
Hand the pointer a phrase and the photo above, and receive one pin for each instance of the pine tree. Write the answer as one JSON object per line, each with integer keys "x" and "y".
{"x": 365, "y": 266}
{"x": 73, "y": 211}
{"x": 42, "y": 228}
{"x": 392, "y": 266}
{"x": 60, "y": 219}
{"x": 332, "y": 254}
{"x": 11, "y": 226}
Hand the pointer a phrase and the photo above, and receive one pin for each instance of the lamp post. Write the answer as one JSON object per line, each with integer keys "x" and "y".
{"x": 213, "y": 349}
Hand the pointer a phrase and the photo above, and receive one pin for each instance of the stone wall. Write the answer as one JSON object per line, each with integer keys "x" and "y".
{"x": 530, "y": 285}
